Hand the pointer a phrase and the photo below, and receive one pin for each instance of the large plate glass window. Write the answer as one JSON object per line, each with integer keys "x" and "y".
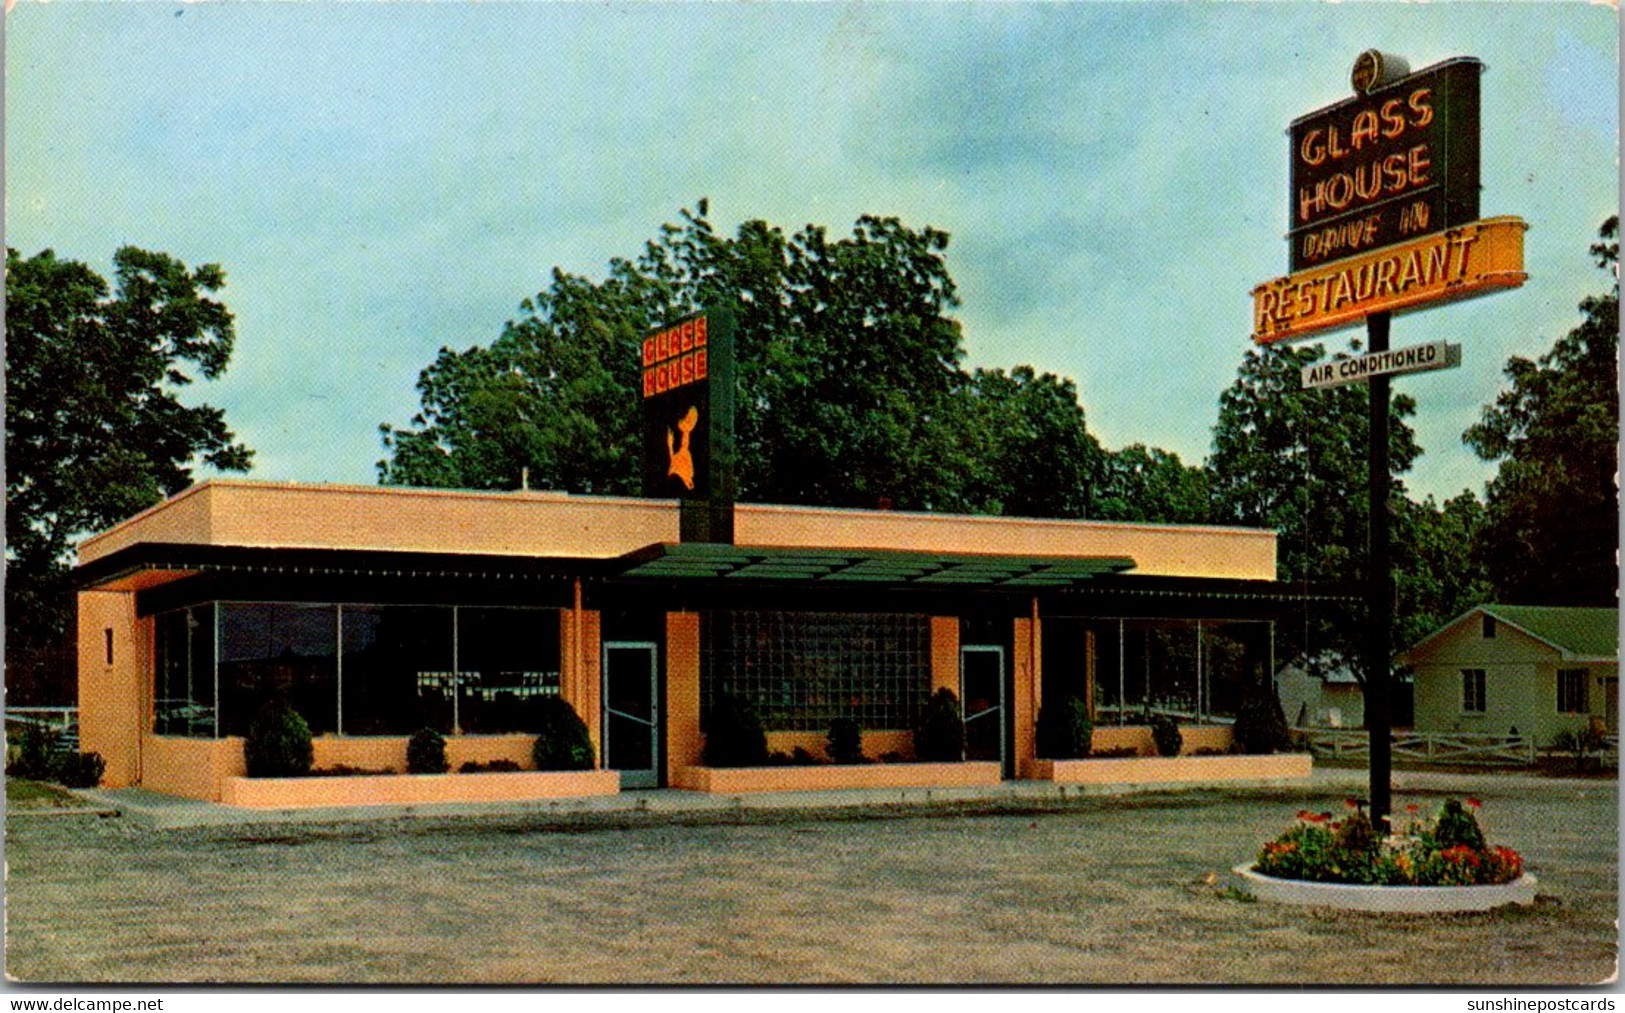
{"x": 278, "y": 651}
{"x": 183, "y": 691}
{"x": 507, "y": 660}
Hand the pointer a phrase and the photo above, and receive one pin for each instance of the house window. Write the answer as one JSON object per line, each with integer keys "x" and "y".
{"x": 1472, "y": 690}
{"x": 1489, "y": 626}
{"x": 1571, "y": 691}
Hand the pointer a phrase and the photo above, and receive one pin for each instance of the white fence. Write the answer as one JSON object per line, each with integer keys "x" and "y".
{"x": 62, "y": 720}
{"x": 1440, "y": 747}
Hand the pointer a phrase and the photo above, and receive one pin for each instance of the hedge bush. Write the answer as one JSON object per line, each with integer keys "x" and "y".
{"x": 278, "y": 743}
{"x": 1261, "y": 726}
{"x": 845, "y": 741}
{"x": 1065, "y": 731}
{"x": 1166, "y": 735}
{"x": 734, "y": 735}
{"x": 562, "y": 742}
{"x": 35, "y": 756}
{"x": 80, "y": 770}
{"x": 426, "y": 752}
{"x": 940, "y": 738}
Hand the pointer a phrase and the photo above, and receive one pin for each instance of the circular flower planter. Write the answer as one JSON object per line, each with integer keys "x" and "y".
{"x": 1398, "y": 899}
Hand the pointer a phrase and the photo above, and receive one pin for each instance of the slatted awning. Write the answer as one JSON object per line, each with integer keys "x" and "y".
{"x": 694, "y": 560}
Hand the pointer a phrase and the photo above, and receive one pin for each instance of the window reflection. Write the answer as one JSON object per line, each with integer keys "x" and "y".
{"x": 354, "y": 669}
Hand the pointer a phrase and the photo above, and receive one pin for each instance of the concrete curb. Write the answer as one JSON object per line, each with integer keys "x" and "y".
{"x": 165, "y": 812}
{"x": 1387, "y": 899}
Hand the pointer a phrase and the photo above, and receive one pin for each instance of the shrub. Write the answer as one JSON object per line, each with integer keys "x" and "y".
{"x": 845, "y": 741}
{"x": 1437, "y": 852}
{"x": 1260, "y": 724}
{"x": 1303, "y": 852}
{"x": 1064, "y": 730}
{"x": 1165, "y": 733}
{"x": 493, "y": 767}
{"x": 426, "y": 752}
{"x": 35, "y": 755}
{"x": 734, "y": 736}
{"x": 80, "y": 770}
{"x": 1115, "y": 753}
{"x": 345, "y": 770}
{"x": 278, "y": 743}
{"x": 941, "y": 735}
{"x": 1456, "y": 826}
{"x": 562, "y": 742}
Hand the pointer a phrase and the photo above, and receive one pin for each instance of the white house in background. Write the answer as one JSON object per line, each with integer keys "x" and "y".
{"x": 1533, "y": 670}
{"x": 1320, "y": 692}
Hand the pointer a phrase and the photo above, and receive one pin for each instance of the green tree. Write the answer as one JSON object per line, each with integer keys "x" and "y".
{"x": 1294, "y": 460}
{"x": 94, "y": 429}
{"x": 1148, "y": 484}
{"x": 849, "y": 381}
{"x": 1034, "y": 452}
{"x": 1441, "y": 574}
{"x": 1552, "y": 528}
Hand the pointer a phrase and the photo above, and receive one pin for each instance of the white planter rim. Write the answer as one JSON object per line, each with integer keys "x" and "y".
{"x": 1393, "y": 899}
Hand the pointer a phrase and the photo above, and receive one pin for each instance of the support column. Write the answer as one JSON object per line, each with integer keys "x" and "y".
{"x": 685, "y": 746}
{"x": 1380, "y": 593}
{"x": 1028, "y": 687}
{"x": 580, "y": 675}
{"x": 1089, "y": 673}
{"x": 945, "y": 654}
{"x": 115, "y": 697}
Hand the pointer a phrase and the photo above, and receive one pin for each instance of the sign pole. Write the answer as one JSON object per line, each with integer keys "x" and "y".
{"x": 1380, "y": 594}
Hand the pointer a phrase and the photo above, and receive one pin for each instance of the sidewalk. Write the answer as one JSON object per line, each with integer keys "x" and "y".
{"x": 163, "y": 812}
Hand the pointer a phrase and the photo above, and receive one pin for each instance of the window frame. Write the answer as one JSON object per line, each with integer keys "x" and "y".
{"x": 216, "y": 606}
{"x": 1468, "y": 677}
{"x": 1582, "y": 683}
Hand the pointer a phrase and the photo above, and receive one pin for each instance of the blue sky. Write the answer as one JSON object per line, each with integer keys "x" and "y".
{"x": 380, "y": 180}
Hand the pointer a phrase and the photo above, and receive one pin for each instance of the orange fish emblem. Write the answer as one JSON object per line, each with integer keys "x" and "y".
{"x": 679, "y": 447}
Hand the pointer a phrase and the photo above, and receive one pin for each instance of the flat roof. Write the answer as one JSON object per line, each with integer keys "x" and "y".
{"x": 550, "y": 525}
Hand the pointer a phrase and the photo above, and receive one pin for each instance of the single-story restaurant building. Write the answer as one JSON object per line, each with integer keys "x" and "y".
{"x": 377, "y": 611}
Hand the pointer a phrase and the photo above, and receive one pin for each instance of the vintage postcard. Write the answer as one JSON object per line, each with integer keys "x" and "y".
{"x": 843, "y": 494}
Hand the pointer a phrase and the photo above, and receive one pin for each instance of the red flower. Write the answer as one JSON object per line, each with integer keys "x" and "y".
{"x": 1352, "y": 803}
{"x": 1413, "y": 807}
{"x": 1473, "y": 803}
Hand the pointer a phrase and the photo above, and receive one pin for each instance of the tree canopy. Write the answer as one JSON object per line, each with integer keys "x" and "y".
{"x": 1551, "y": 533}
{"x": 1294, "y": 459}
{"x": 94, "y": 429}
{"x": 851, "y": 390}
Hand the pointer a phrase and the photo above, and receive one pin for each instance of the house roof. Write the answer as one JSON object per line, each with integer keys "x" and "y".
{"x": 1584, "y": 632}
{"x": 1578, "y": 634}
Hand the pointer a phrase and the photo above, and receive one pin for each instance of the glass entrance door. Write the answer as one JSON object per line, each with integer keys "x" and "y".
{"x": 981, "y": 692}
{"x": 631, "y": 718}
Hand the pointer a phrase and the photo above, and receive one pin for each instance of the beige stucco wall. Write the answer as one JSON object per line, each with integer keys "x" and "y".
{"x": 283, "y": 515}
{"x": 1157, "y": 549}
{"x": 280, "y": 515}
{"x": 114, "y": 701}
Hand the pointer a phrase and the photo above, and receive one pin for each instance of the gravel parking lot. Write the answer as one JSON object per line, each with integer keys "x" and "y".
{"x": 1104, "y": 890}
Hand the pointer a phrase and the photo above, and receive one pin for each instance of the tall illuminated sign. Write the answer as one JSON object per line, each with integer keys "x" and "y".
{"x": 688, "y": 439}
